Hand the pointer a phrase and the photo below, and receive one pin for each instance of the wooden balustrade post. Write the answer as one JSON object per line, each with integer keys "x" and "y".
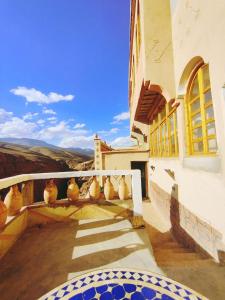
{"x": 28, "y": 192}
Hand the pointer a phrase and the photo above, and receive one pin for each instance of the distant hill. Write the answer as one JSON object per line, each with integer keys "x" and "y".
{"x": 18, "y": 159}
{"x": 38, "y": 143}
{"x": 26, "y": 142}
{"x": 85, "y": 151}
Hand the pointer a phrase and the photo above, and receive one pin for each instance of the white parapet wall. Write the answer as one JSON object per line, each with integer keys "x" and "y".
{"x": 135, "y": 174}
{"x": 63, "y": 210}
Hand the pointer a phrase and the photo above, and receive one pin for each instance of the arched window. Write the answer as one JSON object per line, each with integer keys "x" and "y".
{"x": 201, "y": 132}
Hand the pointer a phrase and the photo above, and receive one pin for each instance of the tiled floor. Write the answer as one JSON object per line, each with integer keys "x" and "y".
{"x": 45, "y": 257}
{"x": 122, "y": 284}
{"x": 48, "y": 256}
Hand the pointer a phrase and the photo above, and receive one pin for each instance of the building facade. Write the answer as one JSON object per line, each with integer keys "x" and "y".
{"x": 177, "y": 115}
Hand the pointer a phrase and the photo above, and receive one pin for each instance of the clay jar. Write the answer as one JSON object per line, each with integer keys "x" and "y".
{"x": 50, "y": 192}
{"x": 108, "y": 189}
{"x": 72, "y": 190}
{"x": 94, "y": 189}
{"x": 13, "y": 201}
{"x": 3, "y": 213}
{"x": 123, "y": 189}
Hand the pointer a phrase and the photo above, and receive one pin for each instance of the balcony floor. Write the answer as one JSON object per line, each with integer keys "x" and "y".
{"x": 47, "y": 256}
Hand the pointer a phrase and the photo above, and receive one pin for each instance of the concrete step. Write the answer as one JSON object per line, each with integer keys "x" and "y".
{"x": 196, "y": 263}
{"x": 173, "y": 250}
{"x": 177, "y": 256}
{"x": 168, "y": 245}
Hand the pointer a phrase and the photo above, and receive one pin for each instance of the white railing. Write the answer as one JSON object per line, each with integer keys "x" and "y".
{"x": 135, "y": 182}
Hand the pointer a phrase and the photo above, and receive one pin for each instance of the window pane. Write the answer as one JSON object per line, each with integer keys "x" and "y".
{"x": 172, "y": 144}
{"x": 197, "y": 133}
{"x": 198, "y": 147}
{"x": 211, "y": 128}
{"x": 171, "y": 124}
{"x": 212, "y": 145}
{"x": 163, "y": 130}
{"x": 206, "y": 80}
{"x": 209, "y": 114}
{"x": 158, "y": 140}
{"x": 208, "y": 96}
{"x": 196, "y": 119}
{"x": 195, "y": 105}
{"x": 163, "y": 113}
{"x": 170, "y": 106}
{"x": 194, "y": 89}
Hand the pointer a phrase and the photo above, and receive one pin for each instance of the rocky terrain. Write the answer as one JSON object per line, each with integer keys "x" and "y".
{"x": 17, "y": 159}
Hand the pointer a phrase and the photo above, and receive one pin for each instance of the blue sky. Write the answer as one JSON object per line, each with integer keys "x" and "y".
{"x": 64, "y": 70}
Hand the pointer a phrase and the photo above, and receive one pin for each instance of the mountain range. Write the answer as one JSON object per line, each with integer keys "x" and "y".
{"x": 20, "y": 156}
{"x": 38, "y": 143}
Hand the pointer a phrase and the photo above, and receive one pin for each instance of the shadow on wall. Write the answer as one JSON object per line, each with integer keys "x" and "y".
{"x": 179, "y": 233}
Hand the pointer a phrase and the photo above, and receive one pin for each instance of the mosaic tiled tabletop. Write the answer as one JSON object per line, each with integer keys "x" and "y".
{"x": 110, "y": 284}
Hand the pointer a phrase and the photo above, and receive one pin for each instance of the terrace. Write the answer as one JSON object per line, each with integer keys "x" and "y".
{"x": 45, "y": 245}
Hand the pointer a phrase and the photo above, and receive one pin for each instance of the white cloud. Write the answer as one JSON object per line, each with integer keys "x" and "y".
{"x": 60, "y": 131}
{"x": 40, "y": 122}
{"x": 5, "y": 115}
{"x": 11, "y": 126}
{"x": 47, "y": 111}
{"x": 77, "y": 141}
{"x": 121, "y": 117}
{"x": 122, "y": 141}
{"x": 79, "y": 125}
{"x": 33, "y": 95}
{"x": 30, "y": 116}
{"x": 52, "y": 119}
{"x": 16, "y": 127}
{"x": 109, "y": 132}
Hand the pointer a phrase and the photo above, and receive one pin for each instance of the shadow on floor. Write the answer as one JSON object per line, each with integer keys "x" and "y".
{"x": 102, "y": 258}
{"x": 101, "y": 236}
{"x": 43, "y": 257}
{"x": 99, "y": 223}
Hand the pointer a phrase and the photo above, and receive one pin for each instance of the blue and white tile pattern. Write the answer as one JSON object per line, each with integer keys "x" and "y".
{"x": 124, "y": 284}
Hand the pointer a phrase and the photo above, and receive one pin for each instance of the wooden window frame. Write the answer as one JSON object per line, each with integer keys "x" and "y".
{"x": 161, "y": 145}
{"x": 189, "y": 114}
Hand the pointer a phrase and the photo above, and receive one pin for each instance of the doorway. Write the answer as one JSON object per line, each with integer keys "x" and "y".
{"x": 141, "y": 165}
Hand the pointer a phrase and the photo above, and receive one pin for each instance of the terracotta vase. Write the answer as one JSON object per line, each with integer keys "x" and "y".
{"x": 72, "y": 190}
{"x": 13, "y": 201}
{"x": 108, "y": 189}
{"x": 50, "y": 192}
{"x": 123, "y": 189}
{"x": 94, "y": 189}
{"x": 3, "y": 213}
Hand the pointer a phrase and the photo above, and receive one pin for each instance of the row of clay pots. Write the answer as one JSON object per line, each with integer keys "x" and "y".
{"x": 109, "y": 191}
{"x": 14, "y": 200}
{"x": 51, "y": 191}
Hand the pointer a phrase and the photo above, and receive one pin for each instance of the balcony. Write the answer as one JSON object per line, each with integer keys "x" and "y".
{"x": 45, "y": 245}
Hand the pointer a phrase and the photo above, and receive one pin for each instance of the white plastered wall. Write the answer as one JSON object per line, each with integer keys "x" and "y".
{"x": 198, "y": 31}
